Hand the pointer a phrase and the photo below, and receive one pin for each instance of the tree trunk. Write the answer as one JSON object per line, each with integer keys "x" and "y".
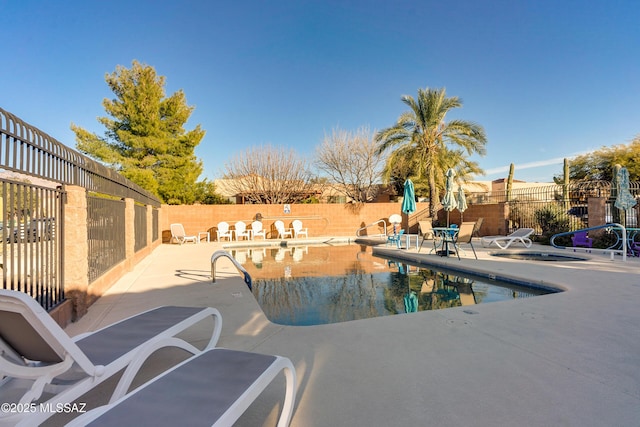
{"x": 433, "y": 194}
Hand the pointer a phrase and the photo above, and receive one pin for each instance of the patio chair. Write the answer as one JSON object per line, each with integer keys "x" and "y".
{"x": 241, "y": 231}
{"x": 521, "y": 235}
{"x": 298, "y": 230}
{"x": 224, "y": 231}
{"x": 257, "y": 230}
{"x": 213, "y": 388}
{"x": 178, "y": 234}
{"x": 40, "y": 362}
{"x": 282, "y": 231}
{"x": 394, "y": 239}
{"x": 426, "y": 231}
{"x": 477, "y": 226}
{"x": 465, "y": 235}
{"x": 581, "y": 239}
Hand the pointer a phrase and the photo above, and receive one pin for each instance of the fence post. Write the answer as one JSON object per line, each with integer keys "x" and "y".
{"x": 596, "y": 206}
{"x": 76, "y": 248}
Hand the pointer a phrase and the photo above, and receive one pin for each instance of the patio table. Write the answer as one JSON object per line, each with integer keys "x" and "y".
{"x": 446, "y": 235}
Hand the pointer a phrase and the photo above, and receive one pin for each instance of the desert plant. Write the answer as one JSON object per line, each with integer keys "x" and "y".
{"x": 553, "y": 220}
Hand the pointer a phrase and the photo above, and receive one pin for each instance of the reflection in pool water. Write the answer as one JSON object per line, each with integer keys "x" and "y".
{"x": 329, "y": 284}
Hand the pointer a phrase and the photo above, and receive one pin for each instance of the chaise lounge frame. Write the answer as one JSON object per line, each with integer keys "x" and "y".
{"x": 213, "y": 388}
{"x": 38, "y": 359}
{"x": 521, "y": 235}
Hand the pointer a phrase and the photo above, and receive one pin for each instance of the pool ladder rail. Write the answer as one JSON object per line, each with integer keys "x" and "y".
{"x": 620, "y": 247}
{"x": 384, "y": 225}
{"x": 218, "y": 254}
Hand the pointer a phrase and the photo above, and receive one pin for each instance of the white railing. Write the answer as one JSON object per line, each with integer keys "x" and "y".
{"x": 218, "y": 254}
{"x": 384, "y": 224}
{"x": 619, "y": 247}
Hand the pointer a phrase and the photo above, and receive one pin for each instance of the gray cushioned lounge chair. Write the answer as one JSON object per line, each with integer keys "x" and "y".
{"x": 213, "y": 388}
{"x": 40, "y": 362}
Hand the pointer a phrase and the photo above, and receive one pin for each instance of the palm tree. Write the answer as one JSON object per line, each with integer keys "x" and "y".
{"x": 432, "y": 145}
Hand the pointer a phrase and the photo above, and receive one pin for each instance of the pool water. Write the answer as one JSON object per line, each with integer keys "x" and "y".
{"x": 314, "y": 285}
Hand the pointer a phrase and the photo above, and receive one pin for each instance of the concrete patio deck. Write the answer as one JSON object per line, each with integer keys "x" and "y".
{"x": 566, "y": 359}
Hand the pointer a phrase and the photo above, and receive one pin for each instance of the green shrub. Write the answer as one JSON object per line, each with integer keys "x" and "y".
{"x": 603, "y": 239}
{"x": 553, "y": 220}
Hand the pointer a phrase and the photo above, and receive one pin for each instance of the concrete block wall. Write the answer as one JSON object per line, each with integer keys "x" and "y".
{"x": 321, "y": 219}
{"x": 79, "y": 293}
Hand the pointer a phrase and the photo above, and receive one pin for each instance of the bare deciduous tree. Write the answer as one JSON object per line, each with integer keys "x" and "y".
{"x": 351, "y": 160}
{"x": 270, "y": 175}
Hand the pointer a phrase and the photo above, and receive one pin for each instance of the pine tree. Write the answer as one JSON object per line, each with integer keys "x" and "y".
{"x": 145, "y": 139}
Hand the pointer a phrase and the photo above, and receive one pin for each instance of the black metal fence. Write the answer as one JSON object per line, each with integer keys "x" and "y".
{"x": 106, "y": 234}
{"x": 140, "y": 229}
{"x": 31, "y": 250}
{"x": 569, "y": 203}
{"x": 33, "y": 167}
{"x": 155, "y": 218}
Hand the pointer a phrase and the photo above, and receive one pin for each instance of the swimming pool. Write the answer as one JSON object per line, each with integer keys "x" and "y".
{"x": 311, "y": 285}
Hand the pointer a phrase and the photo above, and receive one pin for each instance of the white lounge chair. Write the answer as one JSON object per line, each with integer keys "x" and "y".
{"x": 179, "y": 235}
{"x": 257, "y": 230}
{"x": 213, "y": 388}
{"x": 521, "y": 235}
{"x": 298, "y": 230}
{"x": 282, "y": 231}
{"x": 40, "y": 362}
{"x": 224, "y": 231}
{"x": 241, "y": 230}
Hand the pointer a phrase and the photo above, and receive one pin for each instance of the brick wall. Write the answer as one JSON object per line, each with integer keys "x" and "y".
{"x": 321, "y": 219}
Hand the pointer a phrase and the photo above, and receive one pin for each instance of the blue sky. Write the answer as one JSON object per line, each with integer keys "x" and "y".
{"x": 546, "y": 79}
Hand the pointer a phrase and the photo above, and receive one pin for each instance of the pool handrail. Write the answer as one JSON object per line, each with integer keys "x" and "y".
{"x": 610, "y": 249}
{"x": 222, "y": 253}
{"x": 371, "y": 225}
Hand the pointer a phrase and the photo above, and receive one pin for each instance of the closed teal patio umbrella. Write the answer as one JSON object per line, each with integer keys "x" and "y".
{"x": 408, "y": 200}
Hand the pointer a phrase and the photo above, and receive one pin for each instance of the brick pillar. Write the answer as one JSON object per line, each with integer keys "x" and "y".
{"x": 76, "y": 249}
{"x": 596, "y": 207}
